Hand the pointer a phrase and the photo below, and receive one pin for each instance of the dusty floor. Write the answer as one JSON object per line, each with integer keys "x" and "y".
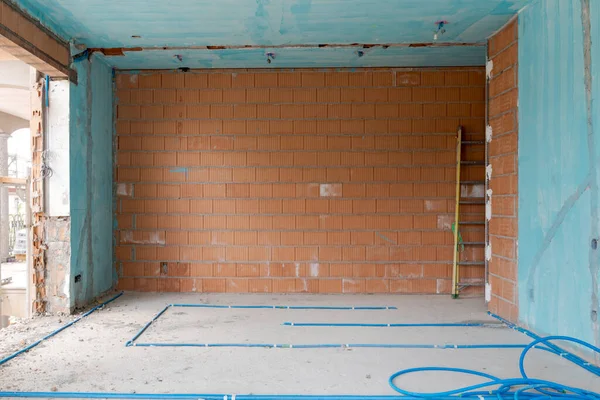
{"x": 91, "y": 355}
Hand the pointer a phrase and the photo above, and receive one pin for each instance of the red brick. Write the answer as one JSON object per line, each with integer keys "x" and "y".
{"x": 341, "y": 164}
{"x": 408, "y": 78}
{"x": 413, "y": 286}
{"x": 502, "y": 39}
{"x": 353, "y": 286}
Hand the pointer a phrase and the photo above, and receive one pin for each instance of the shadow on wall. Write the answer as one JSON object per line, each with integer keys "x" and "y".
{"x": 91, "y": 158}
{"x": 558, "y": 180}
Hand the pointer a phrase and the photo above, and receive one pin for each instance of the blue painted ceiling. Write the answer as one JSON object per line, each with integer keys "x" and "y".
{"x": 185, "y": 23}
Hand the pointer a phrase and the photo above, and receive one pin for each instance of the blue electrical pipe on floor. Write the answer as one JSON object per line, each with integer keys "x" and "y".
{"x": 414, "y": 325}
{"x": 515, "y": 388}
{"x": 287, "y": 307}
{"x": 338, "y": 345}
{"x": 523, "y": 387}
{"x": 76, "y": 320}
{"x": 265, "y": 307}
{"x": 556, "y": 349}
{"x": 141, "y": 331}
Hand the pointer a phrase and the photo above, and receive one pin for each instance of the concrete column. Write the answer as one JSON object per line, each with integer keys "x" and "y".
{"x": 3, "y": 197}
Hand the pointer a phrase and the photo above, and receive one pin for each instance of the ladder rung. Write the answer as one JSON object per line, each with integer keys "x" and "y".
{"x": 471, "y": 262}
{"x": 471, "y": 222}
{"x": 473, "y": 202}
{"x": 470, "y": 162}
{"x": 464, "y": 285}
{"x": 472, "y": 182}
{"x": 473, "y": 142}
{"x": 473, "y": 243}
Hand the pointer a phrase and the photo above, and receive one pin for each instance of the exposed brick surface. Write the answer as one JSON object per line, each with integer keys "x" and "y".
{"x": 293, "y": 181}
{"x": 503, "y": 97}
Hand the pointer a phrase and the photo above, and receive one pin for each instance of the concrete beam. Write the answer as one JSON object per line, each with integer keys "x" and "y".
{"x": 28, "y": 40}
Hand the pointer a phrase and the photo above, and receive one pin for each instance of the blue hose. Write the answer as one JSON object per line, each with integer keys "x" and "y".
{"x": 556, "y": 349}
{"x": 279, "y": 307}
{"x": 192, "y": 396}
{"x": 62, "y": 328}
{"x": 339, "y": 345}
{"x": 141, "y": 331}
{"x": 264, "y": 307}
{"x": 513, "y": 388}
{"x": 523, "y": 387}
{"x": 415, "y": 325}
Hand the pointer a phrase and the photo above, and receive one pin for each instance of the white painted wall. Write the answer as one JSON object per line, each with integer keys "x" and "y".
{"x": 57, "y": 150}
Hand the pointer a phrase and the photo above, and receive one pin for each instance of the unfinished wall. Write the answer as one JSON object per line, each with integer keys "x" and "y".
{"x": 502, "y": 170}
{"x": 57, "y": 221}
{"x": 558, "y": 179}
{"x": 91, "y": 160}
{"x": 57, "y": 240}
{"x": 293, "y": 181}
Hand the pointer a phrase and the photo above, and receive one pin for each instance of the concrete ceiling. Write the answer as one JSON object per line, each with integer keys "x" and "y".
{"x": 195, "y": 23}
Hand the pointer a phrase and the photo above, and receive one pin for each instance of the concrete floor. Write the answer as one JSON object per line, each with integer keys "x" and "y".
{"x": 91, "y": 355}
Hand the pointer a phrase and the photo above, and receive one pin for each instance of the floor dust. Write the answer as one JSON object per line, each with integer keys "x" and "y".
{"x": 92, "y": 356}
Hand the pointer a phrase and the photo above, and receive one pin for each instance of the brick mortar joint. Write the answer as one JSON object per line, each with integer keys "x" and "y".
{"x": 500, "y": 298}
{"x": 503, "y": 175}
{"x": 504, "y": 92}
{"x": 513, "y": 110}
{"x": 497, "y": 75}
{"x": 499, "y": 52}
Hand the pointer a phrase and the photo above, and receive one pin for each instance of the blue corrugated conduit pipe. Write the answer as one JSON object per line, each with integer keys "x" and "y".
{"x": 137, "y": 335}
{"x": 195, "y": 396}
{"x": 262, "y": 307}
{"x": 496, "y": 388}
{"x": 556, "y": 349}
{"x": 132, "y": 342}
{"x": 523, "y": 387}
{"x": 76, "y": 320}
{"x": 413, "y": 325}
{"x": 443, "y": 346}
{"x": 287, "y": 307}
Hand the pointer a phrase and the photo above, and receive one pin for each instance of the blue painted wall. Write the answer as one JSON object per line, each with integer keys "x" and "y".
{"x": 159, "y": 23}
{"x": 558, "y": 188}
{"x": 456, "y": 56}
{"x": 91, "y": 158}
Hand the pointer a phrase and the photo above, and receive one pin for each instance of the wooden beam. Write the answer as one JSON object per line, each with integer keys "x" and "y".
{"x": 6, "y": 180}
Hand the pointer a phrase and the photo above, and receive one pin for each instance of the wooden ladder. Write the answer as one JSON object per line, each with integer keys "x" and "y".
{"x": 458, "y": 283}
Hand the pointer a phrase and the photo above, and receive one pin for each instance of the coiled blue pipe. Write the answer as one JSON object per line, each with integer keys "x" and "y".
{"x": 556, "y": 349}
{"x": 192, "y": 396}
{"x": 512, "y": 388}
{"x": 62, "y": 328}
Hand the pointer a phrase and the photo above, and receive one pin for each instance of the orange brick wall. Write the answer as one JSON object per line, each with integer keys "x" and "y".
{"x": 331, "y": 181}
{"x": 502, "y": 150}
